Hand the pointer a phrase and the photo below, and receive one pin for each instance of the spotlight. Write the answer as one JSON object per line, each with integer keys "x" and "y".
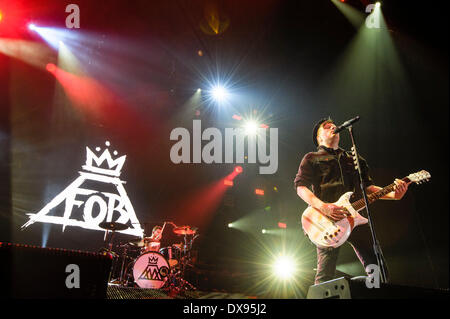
{"x": 32, "y": 27}
{"x": 219, "y": 93}
{"x": 264, "y": 231}
{"x": 259, "y": 191}
{"x": 230, "y": 225}
{"x": 251, "y": 127}
{"x": 284, "y": 267}
{"x": 377, "y": 5}
{"x": 282, "y": 225}
{"x": 228, "y": 182}
{"x": 199, "y": 90}
{"x": 238, "y": 169}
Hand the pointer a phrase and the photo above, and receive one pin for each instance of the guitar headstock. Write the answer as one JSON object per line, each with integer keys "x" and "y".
{"x": 419, "y": 177}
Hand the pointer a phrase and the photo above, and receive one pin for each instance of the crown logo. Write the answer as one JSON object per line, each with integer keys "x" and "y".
{"x": 152, "y": 260}
{"x": 96, "y": 164}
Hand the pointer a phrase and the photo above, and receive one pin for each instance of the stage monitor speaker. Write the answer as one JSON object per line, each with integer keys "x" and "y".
{"x": 36, "y": 272}
{"x": 355, "y": 288}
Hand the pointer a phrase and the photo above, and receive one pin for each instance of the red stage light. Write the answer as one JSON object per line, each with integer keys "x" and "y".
{"x": 228, "y": 182}
{"x": 264, "y": 126}
{"x": 237, "y": 117}
{"x": 12, "y": 19}
{"x": 238, "y": 169}
{"x": 281, "y": 225}
{"x": 259, "y": 191}
{"x": 50, "y": 67}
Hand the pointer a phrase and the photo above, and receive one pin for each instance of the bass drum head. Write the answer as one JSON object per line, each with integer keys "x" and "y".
{"x": 150, "y": 270}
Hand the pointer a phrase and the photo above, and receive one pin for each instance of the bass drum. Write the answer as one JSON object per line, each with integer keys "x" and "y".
{"x": 150, "y": 270}
{"x": 172, "y": 254}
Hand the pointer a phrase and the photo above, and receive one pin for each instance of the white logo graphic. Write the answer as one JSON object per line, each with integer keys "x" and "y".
{"x": 96, "y": 206}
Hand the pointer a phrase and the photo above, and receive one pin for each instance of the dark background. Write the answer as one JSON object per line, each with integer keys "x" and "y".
{"x": 278, "y": 57}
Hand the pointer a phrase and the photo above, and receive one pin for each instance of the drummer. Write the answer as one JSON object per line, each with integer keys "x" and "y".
{"x": 153, "y": 243}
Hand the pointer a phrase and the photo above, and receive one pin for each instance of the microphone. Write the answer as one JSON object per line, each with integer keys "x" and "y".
{"x": 344, "y": 125}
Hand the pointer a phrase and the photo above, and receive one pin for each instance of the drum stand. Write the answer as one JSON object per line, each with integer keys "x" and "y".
{"x": 124, "y": 256}
{"x": 184, "y": 263}
{"x": 111, "y": 226}
{"x": 108, "y": 250}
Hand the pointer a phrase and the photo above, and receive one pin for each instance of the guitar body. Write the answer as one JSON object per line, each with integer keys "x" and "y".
{"x": 324, "y": 232}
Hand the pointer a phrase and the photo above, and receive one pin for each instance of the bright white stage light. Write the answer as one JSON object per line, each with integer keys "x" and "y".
{"x": 251, "y": 127}
{"x": 219, "y": 93}
{"x": 284, "y": 267}
{"x": 53, "y": 36}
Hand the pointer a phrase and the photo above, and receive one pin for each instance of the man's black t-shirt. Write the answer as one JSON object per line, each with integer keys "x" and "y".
{"x": 331, "y": 173}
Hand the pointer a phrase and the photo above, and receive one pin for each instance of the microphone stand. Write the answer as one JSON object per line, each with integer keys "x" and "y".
{"x": 376, "y": 244}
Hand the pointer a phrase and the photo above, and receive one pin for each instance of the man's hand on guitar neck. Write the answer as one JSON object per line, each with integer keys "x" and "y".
{"x": 401, "y": 187}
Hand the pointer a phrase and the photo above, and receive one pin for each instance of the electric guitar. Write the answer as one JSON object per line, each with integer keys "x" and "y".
{"x": 324, "y": 232}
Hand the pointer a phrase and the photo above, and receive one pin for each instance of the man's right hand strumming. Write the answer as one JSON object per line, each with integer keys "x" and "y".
{"x": 333, "y": 211}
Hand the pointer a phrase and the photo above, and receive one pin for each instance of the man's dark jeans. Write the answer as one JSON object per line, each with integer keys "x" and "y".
{"x": 361, "y": 241}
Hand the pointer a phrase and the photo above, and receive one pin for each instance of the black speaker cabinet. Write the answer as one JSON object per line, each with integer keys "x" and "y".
{"x": 356, "y": 288}
{"x": 36, "y": 272}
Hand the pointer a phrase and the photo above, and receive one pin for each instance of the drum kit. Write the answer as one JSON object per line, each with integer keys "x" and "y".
{"x": 143, "y": 263}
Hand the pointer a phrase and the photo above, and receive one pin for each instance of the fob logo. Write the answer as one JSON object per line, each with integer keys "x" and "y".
{"x": 97, "y": 195}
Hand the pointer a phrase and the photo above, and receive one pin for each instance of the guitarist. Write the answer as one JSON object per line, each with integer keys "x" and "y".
{"x": 330, "y": 172}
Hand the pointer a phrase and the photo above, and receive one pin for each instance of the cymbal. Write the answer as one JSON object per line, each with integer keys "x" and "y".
{"x": 142, "y": 242}
{"x": 184, "y": 230}
{"x": 112, "y": 226}
{"x": 137, "y": 243}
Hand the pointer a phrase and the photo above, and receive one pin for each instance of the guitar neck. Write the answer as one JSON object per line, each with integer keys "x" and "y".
{"x": 360, "y": 204}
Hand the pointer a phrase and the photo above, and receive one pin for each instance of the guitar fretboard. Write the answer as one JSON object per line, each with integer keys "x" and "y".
{"x": 360, "y": 204}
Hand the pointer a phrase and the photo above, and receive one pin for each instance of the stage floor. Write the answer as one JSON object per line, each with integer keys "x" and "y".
{"x": 116, "y": 292}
